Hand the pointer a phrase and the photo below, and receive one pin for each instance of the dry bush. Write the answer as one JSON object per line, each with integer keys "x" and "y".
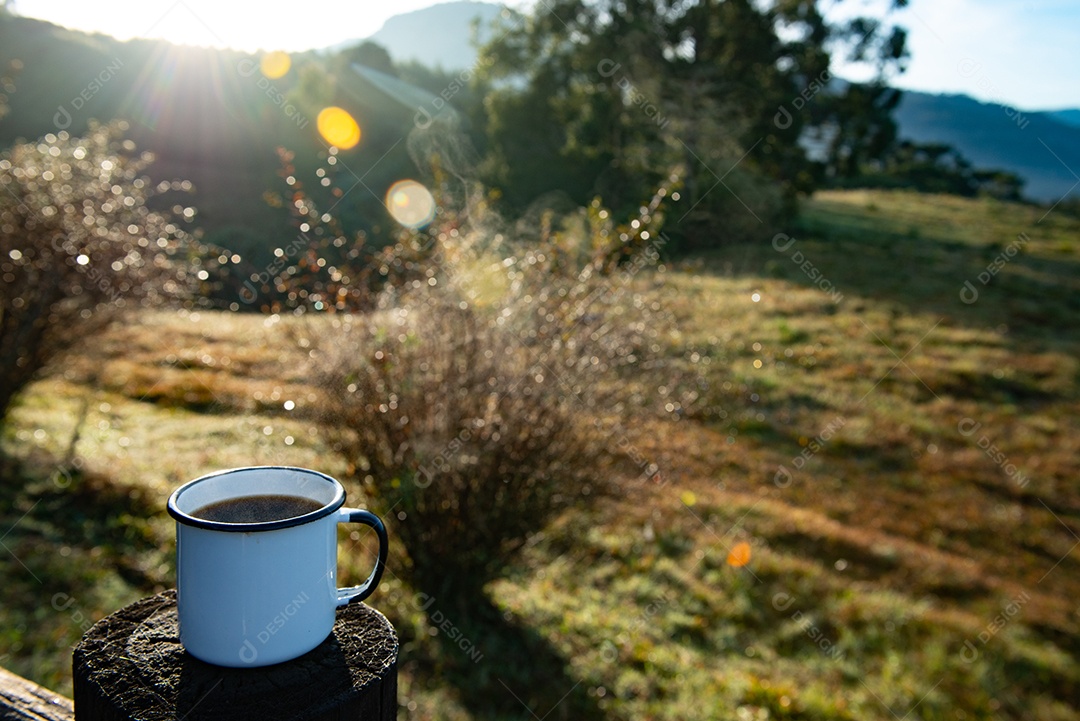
{"x": 457, "y": 433}
{"x": 483, "y": 397}
{"x": 477, "y": 385}
{"x": 79, "y": 248}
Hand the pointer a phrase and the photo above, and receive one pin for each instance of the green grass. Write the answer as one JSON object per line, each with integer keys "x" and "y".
{"x": 873, "y": 570}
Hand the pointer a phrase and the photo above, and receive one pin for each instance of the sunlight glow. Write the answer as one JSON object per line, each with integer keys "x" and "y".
{"x": 211, "y": 23}
{"x": 338, "y": 128}
{"x": 410, "y": 203}
{"x": 274, "y": 65}
{"x": 941, "y": 35}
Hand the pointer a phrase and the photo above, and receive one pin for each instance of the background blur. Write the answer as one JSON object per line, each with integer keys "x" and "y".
{"x": 710, "y": 359}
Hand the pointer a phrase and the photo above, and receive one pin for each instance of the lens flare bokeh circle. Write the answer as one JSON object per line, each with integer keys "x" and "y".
{"x": 410, "y": 203}
{"x": 338, "y": 128}
{"x": 274, "y": 65}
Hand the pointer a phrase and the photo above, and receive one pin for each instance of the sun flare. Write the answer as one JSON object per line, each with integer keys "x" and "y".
{"x": 338, "y": 128}
{"x": 275, "y": 65}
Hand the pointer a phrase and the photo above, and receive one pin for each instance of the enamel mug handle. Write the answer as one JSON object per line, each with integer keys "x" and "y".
{"x": 359, "y": 593}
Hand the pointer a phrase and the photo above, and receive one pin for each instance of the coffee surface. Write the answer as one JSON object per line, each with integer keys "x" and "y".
{"x": 257, "y": 509}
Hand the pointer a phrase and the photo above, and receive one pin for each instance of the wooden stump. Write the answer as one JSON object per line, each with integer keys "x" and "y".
{"x": 131, "y": 665}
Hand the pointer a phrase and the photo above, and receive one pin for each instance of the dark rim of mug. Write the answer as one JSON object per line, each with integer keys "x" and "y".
{"x": 189, "y": 520}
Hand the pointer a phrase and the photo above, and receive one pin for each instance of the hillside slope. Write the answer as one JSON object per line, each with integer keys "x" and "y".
{"x": 1036, "y": 146}
{"x": 211, "y": 117}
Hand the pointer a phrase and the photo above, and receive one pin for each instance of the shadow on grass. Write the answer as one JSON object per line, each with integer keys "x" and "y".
{"x": 73, "y": 548}
{"x": 500, "y": 668}
{"x": 53, "y": 517}
{"x": 1034, "y": 296}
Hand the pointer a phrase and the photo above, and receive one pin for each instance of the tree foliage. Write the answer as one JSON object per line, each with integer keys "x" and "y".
{"x": 608, "y": 97}
{"x": 938, "y": 168}
{"x": 370, "y": 54}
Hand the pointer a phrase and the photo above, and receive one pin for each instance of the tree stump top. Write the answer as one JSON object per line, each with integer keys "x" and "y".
{"x": 130, "y": 665}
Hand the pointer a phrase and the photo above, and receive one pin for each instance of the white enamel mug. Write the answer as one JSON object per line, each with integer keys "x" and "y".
{"x": 255, "y": 594}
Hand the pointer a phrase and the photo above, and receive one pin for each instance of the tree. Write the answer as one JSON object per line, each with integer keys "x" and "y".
{"x": 937, "y": 168}
{"x": 7, "y": 82}
{"x": 607, "y": 97}
{"x": 370, "y": 54}
{"x": 79, "y": 248}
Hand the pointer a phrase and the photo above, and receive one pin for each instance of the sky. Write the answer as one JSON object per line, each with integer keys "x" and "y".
{"x": 1023, "y": 54}
{"x": 1020, "y": 53}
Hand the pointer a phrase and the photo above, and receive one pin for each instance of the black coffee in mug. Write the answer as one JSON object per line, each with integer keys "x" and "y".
{"x": 257, "y": 509}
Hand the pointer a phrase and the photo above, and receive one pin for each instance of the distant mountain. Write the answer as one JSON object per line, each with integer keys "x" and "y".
{"x": 440, "y": 35}
{"x": 1069, "y": 117}
{"x": 1042, "y": 148}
